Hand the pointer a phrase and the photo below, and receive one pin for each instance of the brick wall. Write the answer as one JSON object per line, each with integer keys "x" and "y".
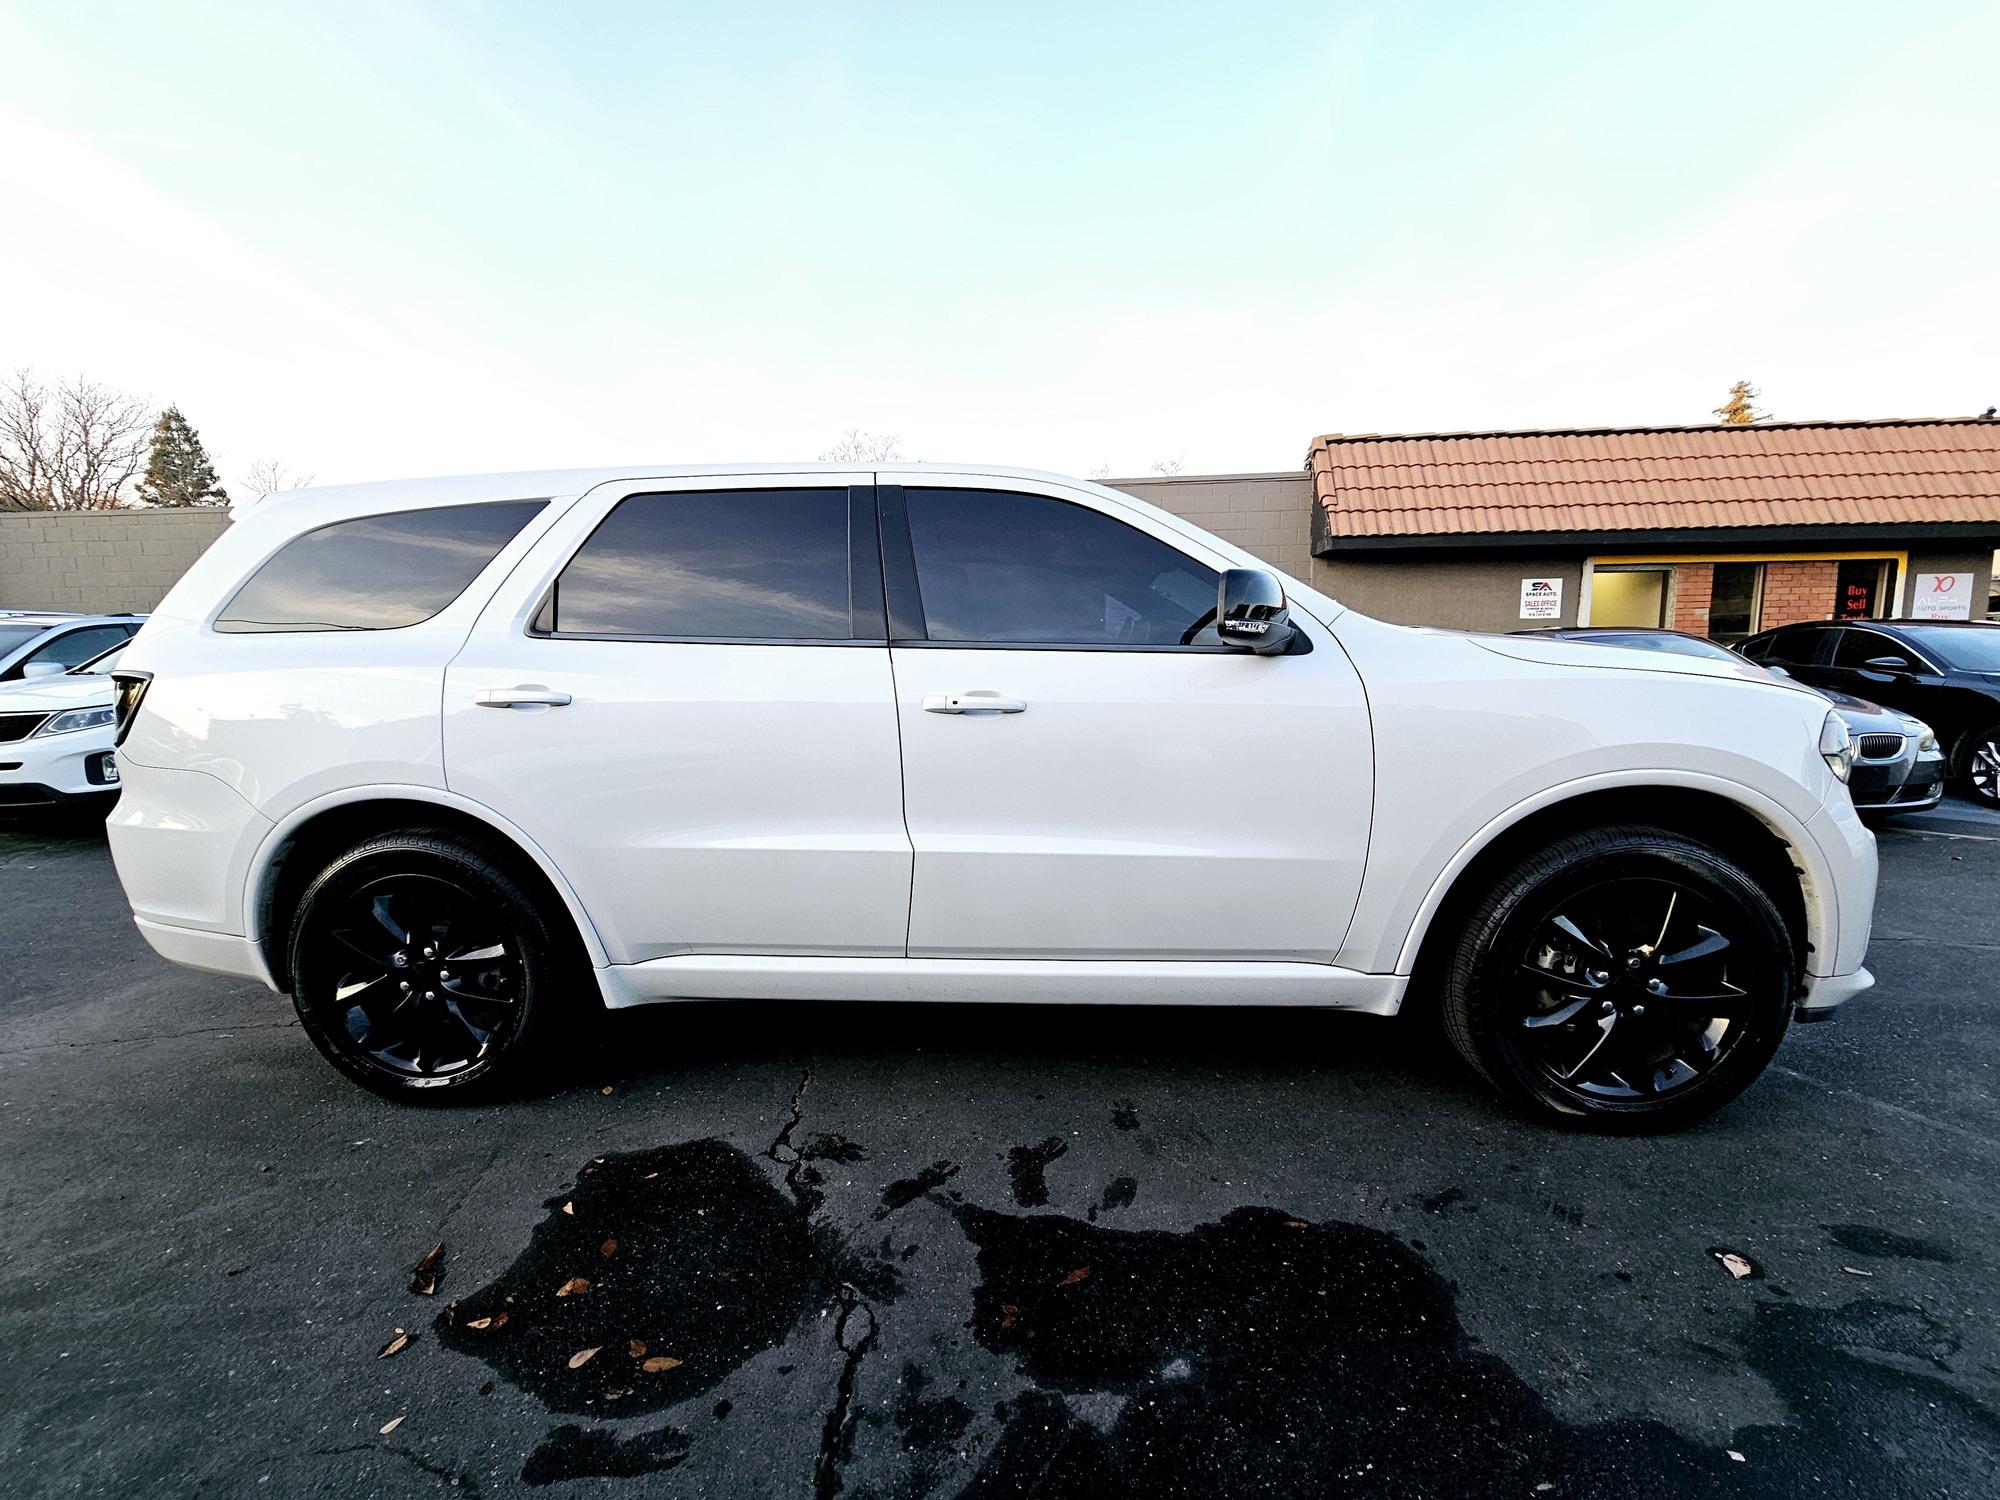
{"x": 1694, "y": 590}
{"x": 1795, "y": 591}
{"x": 98, "y": 562}
{"x": 1268, "y": 514}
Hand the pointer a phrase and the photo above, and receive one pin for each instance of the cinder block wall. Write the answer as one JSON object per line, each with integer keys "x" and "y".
{"x": 98, "y": 562}
{"x": 1268, "y": 514}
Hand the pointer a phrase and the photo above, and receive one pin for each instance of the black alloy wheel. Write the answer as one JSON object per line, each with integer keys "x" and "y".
{"x": 1629, "y": 977}
{"x": 418, "y": 966}
{"x": 1979, "y": 763}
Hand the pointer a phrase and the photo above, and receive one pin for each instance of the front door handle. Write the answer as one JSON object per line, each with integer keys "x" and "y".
{"x": 529, "y": 695}
{"x": 974, "y": 701}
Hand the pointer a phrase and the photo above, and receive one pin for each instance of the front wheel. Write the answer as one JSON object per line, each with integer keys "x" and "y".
{"x": 1979, "y": 764}
{"x": 1627, "y": 977}
{"x": 421, "y": 969}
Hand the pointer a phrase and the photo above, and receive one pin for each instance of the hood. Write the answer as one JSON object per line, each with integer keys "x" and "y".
{"x": 53, "y": 694}
{"x": 1552, "y": 651}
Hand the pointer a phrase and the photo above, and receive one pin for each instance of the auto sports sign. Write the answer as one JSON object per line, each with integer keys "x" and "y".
{"x": 1541, "y": 598}
{"x": 1941, "y": 596}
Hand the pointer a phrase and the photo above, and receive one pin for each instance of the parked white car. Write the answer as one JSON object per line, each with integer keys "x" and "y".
{"x": 425, "y": 755}
{"x": 56, "y": 736}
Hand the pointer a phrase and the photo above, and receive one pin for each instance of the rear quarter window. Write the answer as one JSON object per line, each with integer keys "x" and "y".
{"x": 375, "y": 572}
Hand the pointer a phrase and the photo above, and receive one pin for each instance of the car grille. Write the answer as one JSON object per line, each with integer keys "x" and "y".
{"x": 1879, "y": 746}
{"x": 19, "y": 726}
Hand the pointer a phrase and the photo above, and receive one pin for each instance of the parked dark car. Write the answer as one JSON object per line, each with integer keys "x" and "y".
{"x": 1898, "y": 766}
{"x": 1946, "y": 672}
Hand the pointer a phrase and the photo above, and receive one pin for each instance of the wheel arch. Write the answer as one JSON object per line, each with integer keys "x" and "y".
{"x": 1772, "y": 845}
{"x": 300, "y": 845}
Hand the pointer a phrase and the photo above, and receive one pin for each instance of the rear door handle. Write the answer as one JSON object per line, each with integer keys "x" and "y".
{"x": 528, "y": 695}
{"x": 973, "y": 701}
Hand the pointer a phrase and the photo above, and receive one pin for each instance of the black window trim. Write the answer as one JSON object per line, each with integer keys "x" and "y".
{"x": 866, "y": 608}
{"x": 213, "y": 626}
{"x": 910, "y": 630}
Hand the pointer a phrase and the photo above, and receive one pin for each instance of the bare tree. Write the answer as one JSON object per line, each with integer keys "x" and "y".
{"x": 73, "y": 446}
{"x": 1101, "y": 472}
{"x": 858, "y": 447}
{"x": 1169, "y": 466}
{"x": 267, "y": 476}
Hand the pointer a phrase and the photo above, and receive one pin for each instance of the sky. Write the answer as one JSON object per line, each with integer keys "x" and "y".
{"x": 370, "y": 240}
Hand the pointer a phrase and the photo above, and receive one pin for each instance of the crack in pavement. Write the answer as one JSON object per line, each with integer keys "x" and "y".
{"x": 837, "y": 1436}
{"x": 455, "y": 1477}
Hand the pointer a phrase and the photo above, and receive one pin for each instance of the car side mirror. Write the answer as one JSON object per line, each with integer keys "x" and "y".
{"x": 1887, "y": 664}
{"x": 1250, "y": 610}
{"x": 1774, "y": 669}
{"x": 43, "y": 669}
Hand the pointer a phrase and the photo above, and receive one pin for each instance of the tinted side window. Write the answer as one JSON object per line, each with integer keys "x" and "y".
{"x": 76, "y": 648}
{"x": 1025, "y": 569}
{"x": 1856, "y": 647}
{"x": 375, "y": 572}
{"x": 743, "y": 565}
{"x": 1795, "y": 648}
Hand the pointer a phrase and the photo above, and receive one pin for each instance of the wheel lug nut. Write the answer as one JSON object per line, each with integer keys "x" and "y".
{"x": 1631, "y": 960}
{"x": 1638, "y": 1010}
{"x": 443, "y": 974}
{"x": 1607, "y": 1007}
{"x": 1656, "y": 986}
{"x": 430, "y": 994}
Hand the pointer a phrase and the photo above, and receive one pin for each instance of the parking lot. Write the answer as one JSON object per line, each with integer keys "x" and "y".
{"x": 900, "y": 1251}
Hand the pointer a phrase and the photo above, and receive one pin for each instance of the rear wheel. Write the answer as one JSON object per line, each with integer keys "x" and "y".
{"x": 421, "y": 968}
{"x": 1979, "y": 764}
{"x": 1628, "y": 977}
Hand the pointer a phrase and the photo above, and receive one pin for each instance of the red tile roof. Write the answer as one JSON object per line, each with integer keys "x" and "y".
{"x": 1900, "y": 472}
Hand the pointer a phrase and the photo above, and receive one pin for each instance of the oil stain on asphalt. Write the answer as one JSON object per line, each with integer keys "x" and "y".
{"x": 1262, "y": 1353}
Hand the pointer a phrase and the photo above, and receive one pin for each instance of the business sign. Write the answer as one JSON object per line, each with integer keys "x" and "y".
{"x": 1941, "y": 596}
{"x": 1541, "y": 598}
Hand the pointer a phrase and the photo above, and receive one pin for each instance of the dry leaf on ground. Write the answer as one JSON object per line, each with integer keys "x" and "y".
{"x": 1081, "y": 1273}
{"x": 582, "y": 1357}
{"x": 609, "y": 1247}
{"x": 1734, "y": 1264}
{"x": 576, "y": 1286}
{"x": 389, "y": 1426}
{"x": 395, "y": 1345}
{"x": 637, "y": 1348}
{"x": 660, "y": 1362}
{"x": 425, "y": 1273}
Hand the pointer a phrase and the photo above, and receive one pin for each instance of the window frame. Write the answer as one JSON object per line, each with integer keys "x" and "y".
{"x": 1902, "y": 648}
{"x": 909, "y": 627}
{"x": 527, "y": 535}
{"x": 865, "y": 605}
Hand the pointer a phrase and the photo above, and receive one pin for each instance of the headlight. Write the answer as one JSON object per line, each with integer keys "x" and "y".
{"x": 80, "y": 718}
{"x": 1836, "y": 746}
{"x": 1926, "y": 738}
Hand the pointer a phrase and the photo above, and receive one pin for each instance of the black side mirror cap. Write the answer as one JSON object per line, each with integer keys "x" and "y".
{"x": 1887, "y": 664}
{"x": 1250, "y": 610}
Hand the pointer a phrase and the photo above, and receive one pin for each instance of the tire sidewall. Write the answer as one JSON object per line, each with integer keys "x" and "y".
{"x": 488, "y": 883}
{"x": 1502, "y": 925}
{"x": 1967, "y": 747}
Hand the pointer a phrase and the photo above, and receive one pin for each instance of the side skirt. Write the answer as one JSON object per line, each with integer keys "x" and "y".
{"x": 1013, "y": 981}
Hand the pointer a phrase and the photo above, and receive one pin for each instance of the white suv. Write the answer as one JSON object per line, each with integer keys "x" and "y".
{"x": 435, "y": 756}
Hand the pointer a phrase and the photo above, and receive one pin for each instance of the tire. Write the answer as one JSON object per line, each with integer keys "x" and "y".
{"x": 1561, "y": 994}
{"x": 405, "y": 1022}
{"x": 1977, "y": 761}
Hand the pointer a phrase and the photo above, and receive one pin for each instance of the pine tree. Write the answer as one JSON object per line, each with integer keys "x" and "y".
{"x": 177, "y": 470}
{"x": 1737, "y": 411}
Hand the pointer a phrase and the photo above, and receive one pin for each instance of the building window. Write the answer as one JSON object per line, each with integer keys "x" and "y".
{"x": 1864, "y": 589}
{"x": 1630, "y": 596}
{"x": 1736, "y": 601}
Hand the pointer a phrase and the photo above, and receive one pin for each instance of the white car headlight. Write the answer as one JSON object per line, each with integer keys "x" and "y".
{"x": 1926, "y": 739}
{"x": 80, "y": 718}
{"x": 1836, "y": 746}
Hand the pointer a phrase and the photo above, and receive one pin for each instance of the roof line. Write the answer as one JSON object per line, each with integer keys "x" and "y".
{"x": 1524, "y": 432}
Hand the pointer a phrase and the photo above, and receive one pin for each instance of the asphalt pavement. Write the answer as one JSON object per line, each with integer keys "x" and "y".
{"x": 897, "y": 1250}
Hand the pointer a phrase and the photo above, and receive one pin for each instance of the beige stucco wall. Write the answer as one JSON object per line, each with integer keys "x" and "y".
{"x": 1951, "y": 558}
{"x": 1268, "y": 514}
{"x": 97, "y": 562}
{"x": 1457, "y": 591}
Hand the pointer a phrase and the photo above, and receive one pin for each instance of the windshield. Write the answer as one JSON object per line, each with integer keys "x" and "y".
{"x": 1967, "y": 650}
{"x": 12, "y": 636}
{"x": 99, "y": 664}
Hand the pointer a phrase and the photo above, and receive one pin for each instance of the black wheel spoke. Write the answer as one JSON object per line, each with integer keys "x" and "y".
{"x": 1575, "y": 934}
{"x": 1708, "y": 945}
{"x": 1707, "y": 1005}
{"x": 1605, "y": 1028}
{"x": 1579, "y": 983}
{"x": 1562, "y": 1015}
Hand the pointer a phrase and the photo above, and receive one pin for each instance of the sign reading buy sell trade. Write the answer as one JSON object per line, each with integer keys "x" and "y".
{"x": 1941, "y": 596}
{"x": 1541, "y": 598}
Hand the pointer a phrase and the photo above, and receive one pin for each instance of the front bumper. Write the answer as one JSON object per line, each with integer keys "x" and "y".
{"x": 1828, "y": 993}
{"x": 57, "y": 768}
